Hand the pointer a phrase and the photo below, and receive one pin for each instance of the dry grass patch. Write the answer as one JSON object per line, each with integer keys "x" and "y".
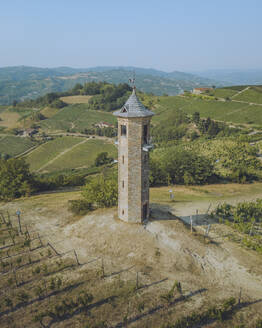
{"x": 9, "y": 119}
{"x": 76, "y": 99}
{"x": 49, "y": 111}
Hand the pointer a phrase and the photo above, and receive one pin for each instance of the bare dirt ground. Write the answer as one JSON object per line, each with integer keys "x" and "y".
{"x": 162, "y": 251}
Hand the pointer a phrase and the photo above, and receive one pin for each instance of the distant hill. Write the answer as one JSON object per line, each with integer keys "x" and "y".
{"x": 234, "y": 77}
{"x": 23, "y": 82}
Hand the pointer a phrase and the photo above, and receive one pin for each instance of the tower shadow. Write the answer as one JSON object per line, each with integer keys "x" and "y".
{"x": 160, "y": 212}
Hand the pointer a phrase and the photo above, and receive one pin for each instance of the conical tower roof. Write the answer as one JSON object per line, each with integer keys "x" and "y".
{"x": 133, "y": 108}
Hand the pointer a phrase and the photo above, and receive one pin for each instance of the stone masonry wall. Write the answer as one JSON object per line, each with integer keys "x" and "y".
{"x": 133, "y": 172}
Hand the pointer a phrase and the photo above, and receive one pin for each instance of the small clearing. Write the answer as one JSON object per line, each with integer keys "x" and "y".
{"x": 76, "y": 99}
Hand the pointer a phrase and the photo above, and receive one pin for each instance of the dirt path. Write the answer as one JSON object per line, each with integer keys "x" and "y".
{"x": 30, "y": 150}
{"x": 182, "y": 209}
{"x": 239, "y": 92}
{"x": 61, "y": 154}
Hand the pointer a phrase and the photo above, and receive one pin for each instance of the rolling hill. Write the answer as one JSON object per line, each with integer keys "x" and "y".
{"x": 233, "y": 76}
{"x": 22, "y": 82}
{"x": 238, "y": 105}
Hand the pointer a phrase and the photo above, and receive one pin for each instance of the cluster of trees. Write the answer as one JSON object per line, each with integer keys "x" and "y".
{"x": 109, "y": 132}
{"x": 16, "y": 180}
{"x": 50, "y": 99}
{"x": 106, "y": 96}
{"x": 211, "y": 128}
{"x": 110, "y": 97}
{"x": 177, "y": 124}
{"x": 177, "y": 165}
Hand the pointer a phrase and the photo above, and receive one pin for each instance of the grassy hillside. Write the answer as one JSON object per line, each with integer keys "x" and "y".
{"x": 14, "y": 117}
{"x": 228, "y": 111}
{"x": 13, "y": 146}
{"x": 83, "y": 155}
{"x": 48, "y": 151}
{"x": 252, "y": 94}
{"x": 76, "y": 117}
{"x": 67, "y": 153}
{"x": 224, "y": 92}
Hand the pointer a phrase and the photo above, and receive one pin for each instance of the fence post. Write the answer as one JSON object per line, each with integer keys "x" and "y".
{"x": 40, "y": 240}
{"x": 76, "y": 258}
{"x": 48, "y": 244}
{"x": 103, "y": 268}
{"x": 240, "y": 294}
{"x": 15, "y": 278}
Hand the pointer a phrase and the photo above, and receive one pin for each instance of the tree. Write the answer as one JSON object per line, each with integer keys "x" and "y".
{"x": 181, "y": 165}
{"x": 196, "y": 117}
{"x": 58, "y": 103}
{"x": 15, "y": 179}
{"x": 102, "y": 159}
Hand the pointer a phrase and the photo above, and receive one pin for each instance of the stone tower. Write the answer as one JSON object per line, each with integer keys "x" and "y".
{"x": 133, "y": 160}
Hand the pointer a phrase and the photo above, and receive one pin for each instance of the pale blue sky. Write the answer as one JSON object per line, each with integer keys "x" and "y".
{"x": 164, "y": 34}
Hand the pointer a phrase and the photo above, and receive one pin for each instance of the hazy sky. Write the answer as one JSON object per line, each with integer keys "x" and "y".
{"x": 164, "y": 34}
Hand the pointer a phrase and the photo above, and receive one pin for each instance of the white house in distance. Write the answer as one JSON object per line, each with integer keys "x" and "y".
{"x": 198, "y": 91}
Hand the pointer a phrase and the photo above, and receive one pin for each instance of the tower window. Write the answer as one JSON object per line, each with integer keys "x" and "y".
{"x": 145, "y": 132}
{"x": 123, "y": 212}
{"x": 123, "y": 159}
{"x": 123, "y": 130}
{"x": 123, "y": 184}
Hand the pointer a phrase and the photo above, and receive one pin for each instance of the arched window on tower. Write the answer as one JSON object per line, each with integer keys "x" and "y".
{"x": 123, "y": 130}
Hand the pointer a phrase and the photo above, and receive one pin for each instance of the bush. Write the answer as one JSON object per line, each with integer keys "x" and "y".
{"x": 101, "y": 192}
{"x": 79, "y": 206}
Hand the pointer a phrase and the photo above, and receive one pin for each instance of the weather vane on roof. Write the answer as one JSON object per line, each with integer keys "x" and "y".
{"x": 132, "y": 81}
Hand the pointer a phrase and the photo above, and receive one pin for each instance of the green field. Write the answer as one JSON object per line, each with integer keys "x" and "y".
{"x": 49, "y": 150}
{"x": 252, "y": 95}
{"x": 224, "y": 92}
{"x": 228, "y": 111}
{"x": 13, "y": 146}
{"x": 82, "y": 155}
{"x": 76, "y": 117}
{"x": 67, "y": 153}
